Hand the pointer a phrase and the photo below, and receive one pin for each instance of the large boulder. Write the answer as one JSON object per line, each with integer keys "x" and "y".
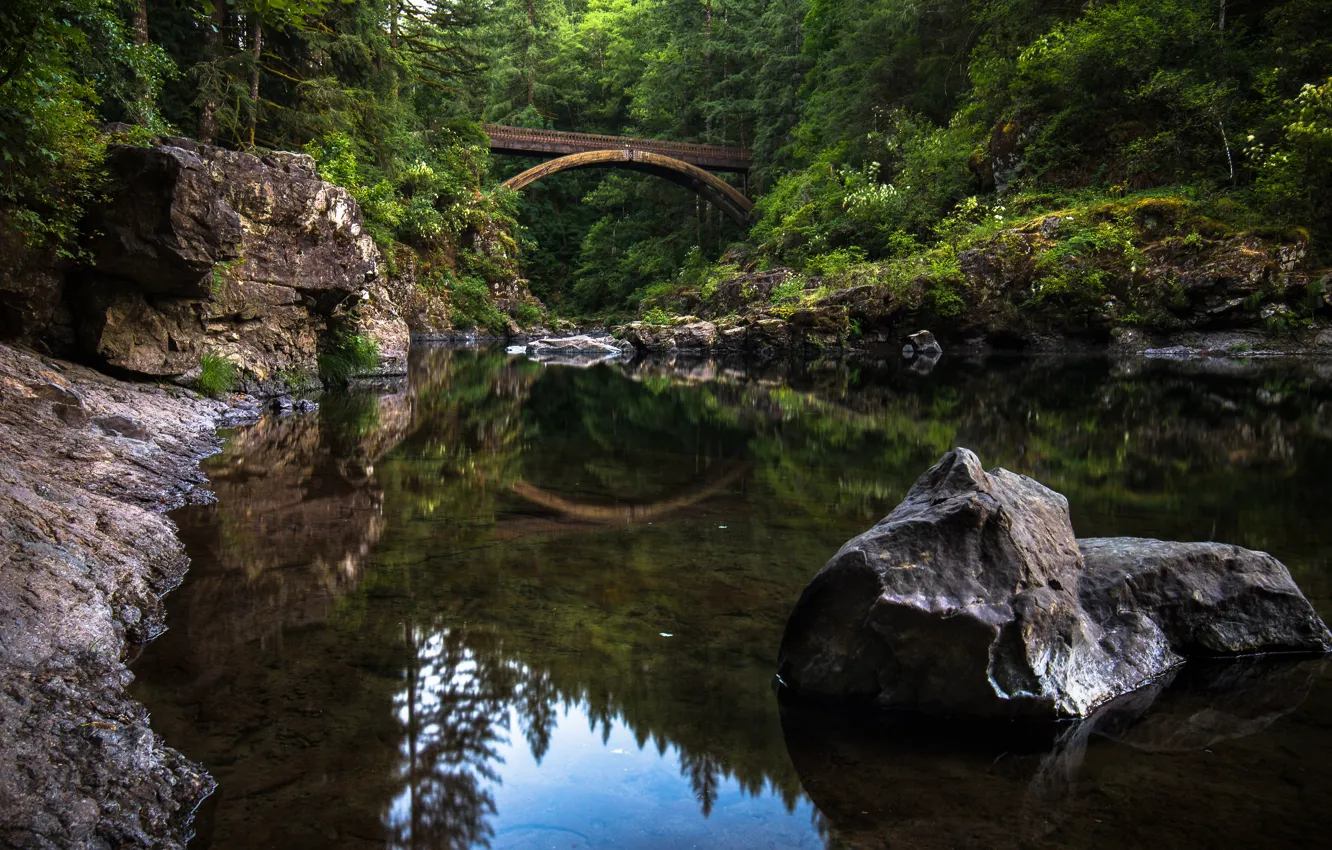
{"x": 973, "y": 597}
{"x": 202, "y": 249}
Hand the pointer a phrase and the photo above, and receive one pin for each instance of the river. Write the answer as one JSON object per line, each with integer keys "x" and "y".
{"x": 510, "y": 605}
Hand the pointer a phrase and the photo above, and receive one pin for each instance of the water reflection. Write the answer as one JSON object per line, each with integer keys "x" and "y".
{"x": 903, "y": 779}
{"x": 526, "y": 606}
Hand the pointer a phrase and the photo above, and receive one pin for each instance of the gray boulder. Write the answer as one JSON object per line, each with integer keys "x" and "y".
{"x": 1208, "y": 599}
{"x": 201, "y": 249}
{"x": 973, "y": 597}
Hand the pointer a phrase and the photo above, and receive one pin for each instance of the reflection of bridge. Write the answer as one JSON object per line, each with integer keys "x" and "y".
{"x": 680, "y": 162}
{"x": 631, "y": 514}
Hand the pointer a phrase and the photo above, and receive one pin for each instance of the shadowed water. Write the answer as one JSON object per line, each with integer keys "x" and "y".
{"x": 519, "y": 606}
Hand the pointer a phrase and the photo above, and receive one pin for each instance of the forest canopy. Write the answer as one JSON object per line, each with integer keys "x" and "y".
{"x": 878, "y": 127}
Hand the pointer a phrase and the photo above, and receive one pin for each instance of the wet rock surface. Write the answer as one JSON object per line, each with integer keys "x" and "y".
{"x": 88, "y": 466}
{"x": 974, "y": 597}
{"x": 579, "y": 350}
{"x": 1207, "y": 598}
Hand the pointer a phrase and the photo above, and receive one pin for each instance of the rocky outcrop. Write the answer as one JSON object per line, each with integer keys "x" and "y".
{"x": 974, "y": 597}
{"x": 202, "y": 249}
{"x": 1163, "y": 270}
{"x": 688, "y": 334}
{"x": 923, "y": 343}
{"x": 88, "y": 466}
{"x": 32, "y": 307}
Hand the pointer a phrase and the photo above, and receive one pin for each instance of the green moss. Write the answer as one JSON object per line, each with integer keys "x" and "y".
{"x": 217, "y": 375}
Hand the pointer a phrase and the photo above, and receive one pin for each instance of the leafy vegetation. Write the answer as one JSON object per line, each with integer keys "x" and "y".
{"x": 883, "y": 131}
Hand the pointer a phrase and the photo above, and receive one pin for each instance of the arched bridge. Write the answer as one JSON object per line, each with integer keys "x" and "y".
{"x": 679, "y": 162}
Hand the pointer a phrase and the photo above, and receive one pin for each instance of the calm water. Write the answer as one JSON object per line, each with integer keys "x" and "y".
{"x": 516, "y": 606}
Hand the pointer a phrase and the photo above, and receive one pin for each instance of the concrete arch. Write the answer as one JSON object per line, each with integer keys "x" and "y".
{"x": 711, "y": 187}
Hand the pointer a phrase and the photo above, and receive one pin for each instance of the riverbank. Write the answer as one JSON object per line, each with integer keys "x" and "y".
{"x": 1156, "y": 271}
{"x": 89, "y": 467}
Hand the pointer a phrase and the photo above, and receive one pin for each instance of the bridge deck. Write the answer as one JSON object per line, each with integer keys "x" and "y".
{"x": 520, "y": 141}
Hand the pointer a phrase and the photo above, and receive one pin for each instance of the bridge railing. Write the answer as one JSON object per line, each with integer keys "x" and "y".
{"x": 498, "y": 133}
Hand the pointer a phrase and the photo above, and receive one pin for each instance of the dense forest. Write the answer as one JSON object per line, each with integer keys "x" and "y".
{"x": 883, "y": 131}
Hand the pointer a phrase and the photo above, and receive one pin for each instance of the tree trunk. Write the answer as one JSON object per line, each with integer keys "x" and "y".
{"x": 707, "y": 35}
{"x": 143, "y": 108}
{"x": 395, "y": 9}
{"x": 141, "y": 22}
{"x": 213, "y": 52}
{"x": 531, "y": 48}
{"x": 256, "y": 50}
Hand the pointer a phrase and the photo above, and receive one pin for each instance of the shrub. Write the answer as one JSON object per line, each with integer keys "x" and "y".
{"x": 790, "y": 290}
{"x": 528, "y": 314}
{"x": 470, "y": 304}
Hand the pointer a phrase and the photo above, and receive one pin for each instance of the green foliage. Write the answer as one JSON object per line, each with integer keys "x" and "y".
{"x": 470, "y": 303}
{"x": 1295, "y": 177}
{"x": 428, "y": 202}
{"x": 656, "y": 316}
{"x": 222, "y": 270}
{"x": 63, "y": 64}
{"x": 883, "y": 130}
{"x": 872, "y": 208}
{"x": 217, "y": 375}
{"x": 1086, "y": 255}
{"x": 347, "y": 355}
{"x": 297, "y": 381}
{"x": 835, "y": 262}
{"x": 789, "y": 291}
{"x": 528, "y": 314}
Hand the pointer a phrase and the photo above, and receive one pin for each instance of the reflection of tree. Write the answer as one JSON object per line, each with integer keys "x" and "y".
{"x": 454, "y": 711}
{"x": 704, "y": 772}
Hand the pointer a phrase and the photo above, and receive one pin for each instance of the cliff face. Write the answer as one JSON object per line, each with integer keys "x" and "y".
{"x": 205, "y": 250}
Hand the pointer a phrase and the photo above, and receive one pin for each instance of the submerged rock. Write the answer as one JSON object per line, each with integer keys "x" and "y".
{"x": 926, "y": 344}
{"x": 973, "y": 597}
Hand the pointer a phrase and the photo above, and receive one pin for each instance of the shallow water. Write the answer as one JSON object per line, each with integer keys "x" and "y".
{"x": 519, "y": 606}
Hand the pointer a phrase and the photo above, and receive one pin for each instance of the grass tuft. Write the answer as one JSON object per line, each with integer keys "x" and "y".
{"x": 347, "y": 356}
{"x": 217, "y": 375}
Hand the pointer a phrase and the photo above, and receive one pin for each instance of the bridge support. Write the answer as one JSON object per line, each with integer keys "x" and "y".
{"x": 711, "y": 187}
